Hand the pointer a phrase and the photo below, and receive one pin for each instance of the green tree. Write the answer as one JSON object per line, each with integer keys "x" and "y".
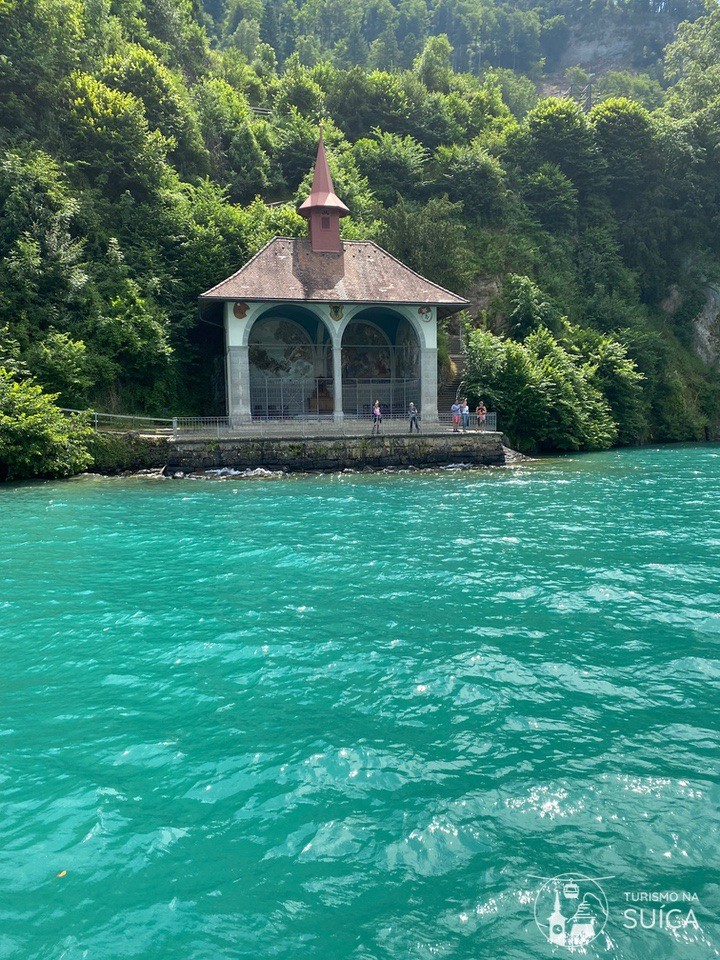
{"x": 181, "y": 38}
{"x": 10, "y": 359}
{"x": 236, "y": 158}
{"x": 41, "y": 43}
{"x": 617, "y": 376}
{"x": 295, "y": 146}
{"x": 517, "y": 91}
{"x": 500, "y": 373}
{"x": 43, "y": 271}
{"x": 526, "y": 308}
{"x": 551, "y": 197}
{"x": 469, "y": 174}
{"x": 554, "y": 38}
{"x": 167, "y": 105}
{"x": 434, "y": 65}
{"x": 110, "y": 131}
{"x": 384, "y": 52}
{"x": 556, "y": 131}
{"x": 692, "y": 65}
{"x": 640, "y": 87}
{"x": 246, "y": 38}
{"x": 577, "y": 415}
{"x": 361, "y": 101}
{"x": 36, "y": 439}
{"x": 134, "y": 333}
{"x": 431, "y": 239}
{"x": 640, "y": 188}
{"x": 392, "y": 164}
{"x": 297, "y": 90}
{"x": 62, "y": 366}
{"x": 625, "y": 137}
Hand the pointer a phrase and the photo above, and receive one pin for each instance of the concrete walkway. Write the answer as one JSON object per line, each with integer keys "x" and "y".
{"x": 322, "y": 428}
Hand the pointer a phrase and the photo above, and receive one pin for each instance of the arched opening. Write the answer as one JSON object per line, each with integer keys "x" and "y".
{"x": 380, "y": 361}
{"x": 290, "y": 356}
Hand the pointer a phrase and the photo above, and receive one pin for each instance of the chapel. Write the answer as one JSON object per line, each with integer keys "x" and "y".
{"x": 323, "y": 327}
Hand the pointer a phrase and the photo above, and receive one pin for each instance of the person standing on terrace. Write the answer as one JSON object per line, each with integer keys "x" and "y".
{"x": 377, "y": 418}
{"x": 414, "y": 417}
{"x": 455, "y": 411}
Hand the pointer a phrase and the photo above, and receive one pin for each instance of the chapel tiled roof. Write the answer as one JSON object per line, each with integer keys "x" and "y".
{"x": 288, "y": 270}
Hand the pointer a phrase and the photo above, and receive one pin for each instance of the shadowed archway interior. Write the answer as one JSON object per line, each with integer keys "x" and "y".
{"x": 290, "y": 357}
{"x": 380, "y": 361}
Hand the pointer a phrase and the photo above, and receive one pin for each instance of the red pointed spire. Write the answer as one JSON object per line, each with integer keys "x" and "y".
{"x": 322, "y": 193}
{"x": 323, "y": 208}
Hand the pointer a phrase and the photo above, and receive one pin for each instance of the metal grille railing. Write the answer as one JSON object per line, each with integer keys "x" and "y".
{"x": 309, "y": 425}
{"x": 125, "y": 421}
{"x": 320, "y": 426}
{"x": 395, "y": 395}
{"x": 279, "y": 398}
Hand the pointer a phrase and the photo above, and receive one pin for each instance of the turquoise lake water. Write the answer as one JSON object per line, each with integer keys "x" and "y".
{"x": 359, "y": 716}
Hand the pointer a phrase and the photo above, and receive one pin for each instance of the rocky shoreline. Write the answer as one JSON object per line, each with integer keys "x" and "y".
{"x": 512, "y": 459}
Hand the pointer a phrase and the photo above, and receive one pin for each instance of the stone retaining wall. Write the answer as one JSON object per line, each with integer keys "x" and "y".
{"x": 324, "y": 453}
{"x": 117, "y": 453}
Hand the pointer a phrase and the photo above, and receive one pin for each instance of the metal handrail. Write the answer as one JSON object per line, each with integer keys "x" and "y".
{"x": 305, "y": 425}
{"x": 319, "y": 425}
{"x": 98, "y": 419}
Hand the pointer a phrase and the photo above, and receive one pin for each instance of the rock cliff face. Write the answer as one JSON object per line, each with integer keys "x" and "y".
{"x": 707, "y": 327}
{"x": 706, "y": 323}
{"x": 598, "y": 49}
{"x": 601, "y": 46}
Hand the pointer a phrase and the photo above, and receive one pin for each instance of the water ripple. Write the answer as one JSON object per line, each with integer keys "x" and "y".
{"x": 358, "y": 716}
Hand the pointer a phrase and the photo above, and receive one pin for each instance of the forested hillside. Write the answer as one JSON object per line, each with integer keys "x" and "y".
{"x": 532, "y": 37}
{"x": 149, "y": 147}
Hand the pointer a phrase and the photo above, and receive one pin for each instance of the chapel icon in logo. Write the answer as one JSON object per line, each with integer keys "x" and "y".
{"x": 571, "y": 910}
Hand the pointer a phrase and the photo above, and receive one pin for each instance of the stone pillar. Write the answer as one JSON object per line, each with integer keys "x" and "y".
{"x": 428, "y": 384}
{"x": 423, "y": 320}
{"x": 237, "y": 362}
{"x": 238, "y": 382}
{"x": 337, "y": 378}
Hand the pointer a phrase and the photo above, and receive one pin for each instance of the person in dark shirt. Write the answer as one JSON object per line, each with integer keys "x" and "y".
{"x": 413, "y": 417}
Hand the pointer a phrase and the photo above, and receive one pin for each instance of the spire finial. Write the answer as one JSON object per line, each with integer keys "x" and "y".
{"x": 323, "y": 208}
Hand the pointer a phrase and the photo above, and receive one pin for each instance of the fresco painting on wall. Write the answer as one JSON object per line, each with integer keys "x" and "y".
{"x": 282, "y": 348}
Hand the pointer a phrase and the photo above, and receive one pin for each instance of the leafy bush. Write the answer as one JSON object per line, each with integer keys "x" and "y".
{"x": 583, "y": 394}
{"x": 577, "y": 414}
{"x": 36, "y": 438}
